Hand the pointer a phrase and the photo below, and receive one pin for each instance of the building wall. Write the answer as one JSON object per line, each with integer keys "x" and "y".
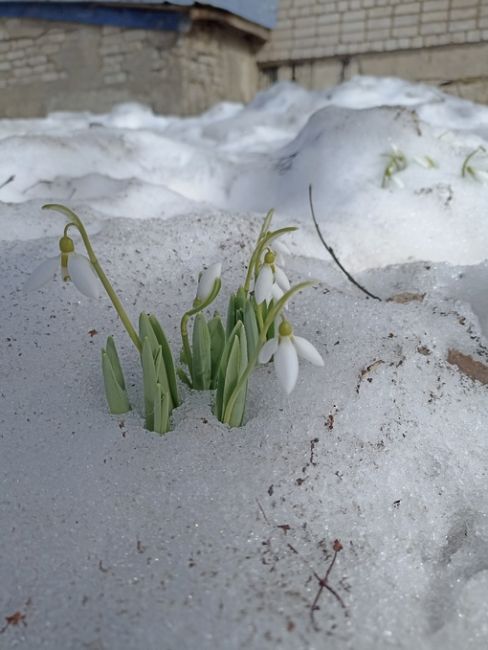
{"x": 46, "y": 66}
{"x": 217, "y": 63}
{"x": 320, "y": 42}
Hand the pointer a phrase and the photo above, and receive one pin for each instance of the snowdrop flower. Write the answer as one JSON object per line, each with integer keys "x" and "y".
{"x": 286, "y": 348}
{"x": 207, "y": 281}
{"x": 73, "y": 266}
{"x": 481, "y": 175}
{"x": 397, "y": 162}
{"x": 280, "y": 249}
{"x": 397, "y": 181}
{"x": 271, "y": 281}
{"x": 425, "y": 161}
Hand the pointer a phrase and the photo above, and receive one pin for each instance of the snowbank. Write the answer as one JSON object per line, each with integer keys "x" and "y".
{"x": 215, "y": 538}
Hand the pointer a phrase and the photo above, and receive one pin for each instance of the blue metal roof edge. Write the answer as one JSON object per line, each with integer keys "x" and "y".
{"x": 261, "y": 12}
{"x": 93, "y": 14}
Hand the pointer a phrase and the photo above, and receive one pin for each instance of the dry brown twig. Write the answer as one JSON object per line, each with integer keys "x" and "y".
{"x": 331, "y": 252}
{"x": 324, "y": 584}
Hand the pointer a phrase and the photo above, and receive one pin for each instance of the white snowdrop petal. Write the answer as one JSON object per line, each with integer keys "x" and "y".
{"x": 207, "y": 280}
{"x": 267, "y": 351}
{"x": 397, "y": 181}
{"x": 264, "y": 284}
{"x": 83, "y": 276}
{"x": 281, "y": 279}
{"x": 276, "y": 293}
{"x": 307, "y": 351}
{"x": 423, "y": 162}
{"x": 482, "y": 175}
{"x": 286, "y": 364}
{"x": 42, "y": 273}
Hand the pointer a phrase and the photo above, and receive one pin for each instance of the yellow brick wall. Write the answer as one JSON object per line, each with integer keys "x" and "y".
{"x": 310, "y": 29}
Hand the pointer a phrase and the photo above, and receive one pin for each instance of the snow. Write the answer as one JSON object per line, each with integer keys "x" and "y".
{"x": 113, "y": 537}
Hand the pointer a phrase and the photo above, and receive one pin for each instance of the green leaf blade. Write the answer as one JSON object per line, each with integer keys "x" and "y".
{"x": 149, "y": 382}
{"x": 217, "y": 345}
{"x": 112, "y": 353}
{"x": 167, "y": 359}
{"x": 146, "y": 331}
{"x": 201, "y": 361}
{"x": 117, "y": 399}
{"x": 161, "y": 410}
{"x": 251, "y": 327}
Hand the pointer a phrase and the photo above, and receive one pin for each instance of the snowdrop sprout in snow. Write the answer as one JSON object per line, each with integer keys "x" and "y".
{"x": 160, "y": 390}
{"x": 286, "y": 348}
{"x": 218, "y": 358}
{"x": 75, "y": 222}
{"x": 425, "y": 161}
{"x": 251, "y": 319}
{"x": 468, "y": 169}
{"x": 237, "y": 365}
{"x": 396, "y": 162}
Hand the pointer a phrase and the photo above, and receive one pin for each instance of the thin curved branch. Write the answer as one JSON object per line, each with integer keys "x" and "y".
{"x": 330, "y": 250}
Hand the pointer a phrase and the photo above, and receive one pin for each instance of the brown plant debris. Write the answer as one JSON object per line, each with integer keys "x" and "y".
{"x": 365, "y": 371}
{"x": 261, "y": 509}
{"x": 468, "y": 366}
{"x": 406, "y": 297}
{"x": 284, "y": 527}
{"x": 14, "y": 619}
{"x": 324, "y": 584}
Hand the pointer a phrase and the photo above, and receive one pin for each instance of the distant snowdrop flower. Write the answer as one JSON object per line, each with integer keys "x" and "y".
{"x": 425, "y": 161}
{"x": 207, "y": 280}
{"x": 481, "y": 175}
{"x": 271, "y": 281}
{"x": 73, "y": 266}
{"x": 396, "y": 162}
{"x": 469, "y": 170}
{"x": 397, "y": 181}
{"x": 286, "y": 349}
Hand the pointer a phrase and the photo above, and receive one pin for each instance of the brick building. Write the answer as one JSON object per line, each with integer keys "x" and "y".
{"x": 321, "y": 42}
{"x": 178, "y": 57}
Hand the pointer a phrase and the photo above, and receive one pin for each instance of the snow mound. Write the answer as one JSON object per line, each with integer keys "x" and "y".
{"x": 352, "y": 513}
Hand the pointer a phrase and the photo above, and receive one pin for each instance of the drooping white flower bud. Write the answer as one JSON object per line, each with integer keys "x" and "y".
{"x": 207, "y": 281}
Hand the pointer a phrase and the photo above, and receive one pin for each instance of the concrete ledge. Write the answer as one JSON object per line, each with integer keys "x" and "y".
{"x": 458, "y": 69}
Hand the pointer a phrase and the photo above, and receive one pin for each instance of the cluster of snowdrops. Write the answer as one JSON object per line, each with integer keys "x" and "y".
{"x": 397, "y": 161}
{"x": 215, "y": 356}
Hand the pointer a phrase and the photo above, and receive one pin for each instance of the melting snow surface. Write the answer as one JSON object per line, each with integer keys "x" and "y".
{"x": 114, "y": 538}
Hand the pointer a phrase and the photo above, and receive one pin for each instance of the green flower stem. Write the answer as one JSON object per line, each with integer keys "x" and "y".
{"x": 262, "y": 340}
{"x": 262, "y": 233}
{"x": 259, "y": 316}
{"x": 266, "y": 223}
{"x": 185, "y": 340}
{"x": 192, "y": 312}
{"x": 76, "y": 221}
